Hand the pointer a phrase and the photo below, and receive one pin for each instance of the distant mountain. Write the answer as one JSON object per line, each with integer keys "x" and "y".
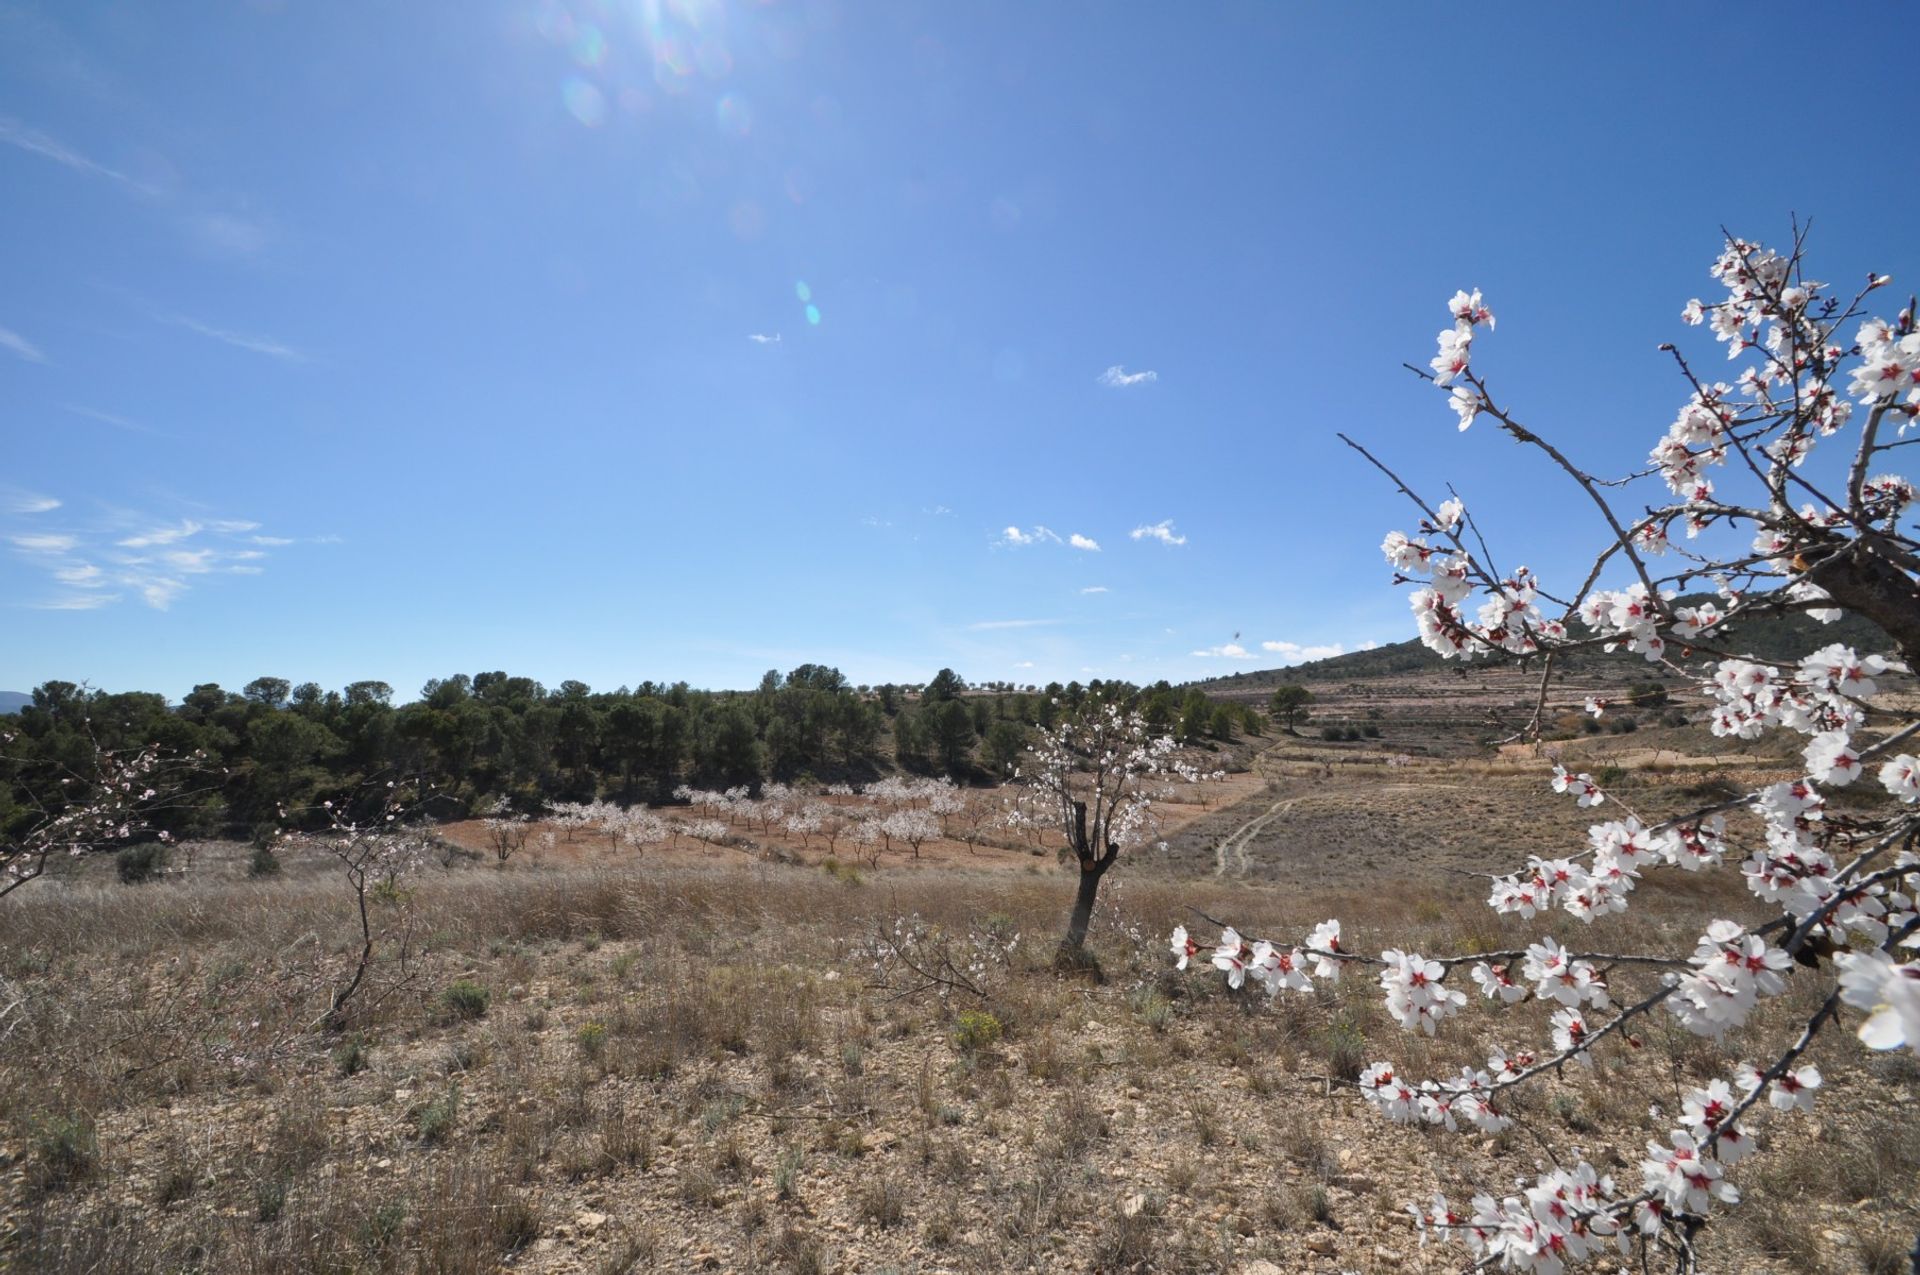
{"x": 1774, "y": 637}
{"x": 14, "y": 701}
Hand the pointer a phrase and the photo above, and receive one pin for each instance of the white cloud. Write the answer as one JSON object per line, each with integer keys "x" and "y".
{"x": 1016, "y": 538}
{"x": 159, "y": 592}
{"x": 1088, "y": 543}
{"x": 11, "y": 340}
{"x": 93, "y": 569}
{"x": 240, "y": 340}
{"x": 25, "y": 502}
{"x": 76, "y": 602}
{"x": 761, "y": 338}
{"x": 35, "y": 142}
{"x": 1117, "y": 377}
{"x": 226, "y": 233}
{"x": 1010, "y": 624}
{"x": 44, "y": 544}
{"x": 1095, "y": 588}
{"x": 1024, "y": 664}
{"x": 1226, "y": 651}
{"x": 1161, "y": 531}
{"x": 162, "y": 536}
{"x": 1294, "y": 652}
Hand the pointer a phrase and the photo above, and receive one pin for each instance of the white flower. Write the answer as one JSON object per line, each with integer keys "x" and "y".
{"x": 1323, "y": 943}
{"x": 1831, "y": 758}
{"x": 1889, "y": 992}
{"x": 1231, "y": 957}
{"x": 1901, "y": 776}
{"x": 1183, "y": 947}
{"x": 1465, "y": 402}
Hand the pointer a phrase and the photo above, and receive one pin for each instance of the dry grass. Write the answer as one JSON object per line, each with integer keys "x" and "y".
{"x": 670, "y": 1068}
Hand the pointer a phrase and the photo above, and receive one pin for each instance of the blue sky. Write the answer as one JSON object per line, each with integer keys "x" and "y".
{"x": 404, "y": 340}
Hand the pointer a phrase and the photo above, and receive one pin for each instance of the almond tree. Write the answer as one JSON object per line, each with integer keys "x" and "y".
{"x": 1093, "y": 776}
{"x": 106, "y": 803}
{"x": 1810, "y": 533}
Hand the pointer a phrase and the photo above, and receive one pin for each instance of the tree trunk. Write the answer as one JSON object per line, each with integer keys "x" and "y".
{"x": 1090, "y": 874}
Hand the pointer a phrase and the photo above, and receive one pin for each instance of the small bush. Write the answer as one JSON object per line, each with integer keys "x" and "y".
{"x": 137, "y": 864}
{"x": 434, "y": 1119}
{"x": 974, "y": 1030}
{"x": 466, "y": 999}
{"x": 352, "y": 1057}
{"x": 66, "y": 1151}
{"x": 1346, "y": 1048}
{"x": 264, "y": 863}
{"x": 1332, "y": 734}
{"x": 592, "y": 1039}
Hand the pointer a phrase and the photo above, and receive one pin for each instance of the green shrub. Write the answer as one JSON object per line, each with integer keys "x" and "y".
{"x": 592, "y": 1039}
{"x": 1346, "y": 1048}
{"x": 141, "y": 863}
{"x": 433, "y": 1120}
{"x": 66, "y": 1150}
{"x": 466, "y": 999}
{"x": 352, "y": 1057}
{"x": 264, "y": 863}
{"x": 974, "y": 1030}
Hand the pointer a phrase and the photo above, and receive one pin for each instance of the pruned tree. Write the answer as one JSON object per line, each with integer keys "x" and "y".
{"x": 1093, "y": 777}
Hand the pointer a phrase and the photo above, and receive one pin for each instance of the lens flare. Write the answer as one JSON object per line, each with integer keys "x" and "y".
{"x": 813, "y": 315}
{"x": 584, "y": 102}
{"x": 736, "y": 117}
{"x": 802, "y": 291}
{"x": 589, "y": 46}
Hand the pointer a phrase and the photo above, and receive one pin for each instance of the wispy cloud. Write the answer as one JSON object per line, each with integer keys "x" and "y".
{"x": 26, "y": 502}
{"x": 1294, "y": 652}
{"x": 1118, "y": 378}
{"x": 20, "y": 346}
{"x": 34, "y": 142}
{"x": 1023, "y": 664}
{"x": 1016, "y": 538}
{"x": 239, "y": 340}
{"x": 984, "y": 625}
{"x": 229, "y": 233}
{"x": 136, "y": 555}
{"x": 1096, "y": 588}
{"x": 107, "y": 418}
{"x": 762, "y": 338}
{"x": 76, "y": 602}
{"x": 162, "y": 535}
{"x": 43, "y": 543}
{"x": 1161, "y": 531}
{"x": 1226, "y": 651}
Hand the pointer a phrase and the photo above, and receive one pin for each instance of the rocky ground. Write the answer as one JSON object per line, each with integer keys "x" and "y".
{"x": 607, "y": 1064}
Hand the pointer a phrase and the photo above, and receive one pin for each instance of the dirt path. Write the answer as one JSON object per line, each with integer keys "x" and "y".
{"x": 1232, "y": 848}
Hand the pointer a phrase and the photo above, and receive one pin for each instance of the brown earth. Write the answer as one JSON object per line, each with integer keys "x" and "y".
{"x": 688, "y": 1060}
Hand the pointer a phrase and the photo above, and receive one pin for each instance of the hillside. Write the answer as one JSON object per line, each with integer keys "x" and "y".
{"x": 1769, "y": 637}
{"x": 14, "y": 701}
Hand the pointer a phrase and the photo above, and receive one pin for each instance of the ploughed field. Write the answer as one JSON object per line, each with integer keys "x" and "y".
{"x": 689, "y": 1058}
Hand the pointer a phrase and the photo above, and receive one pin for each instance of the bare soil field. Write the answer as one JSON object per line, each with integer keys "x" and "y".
{"x": 690, "y": 1060}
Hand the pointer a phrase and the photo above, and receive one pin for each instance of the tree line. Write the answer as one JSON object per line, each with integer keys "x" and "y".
{"x": 276, "y": 749}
